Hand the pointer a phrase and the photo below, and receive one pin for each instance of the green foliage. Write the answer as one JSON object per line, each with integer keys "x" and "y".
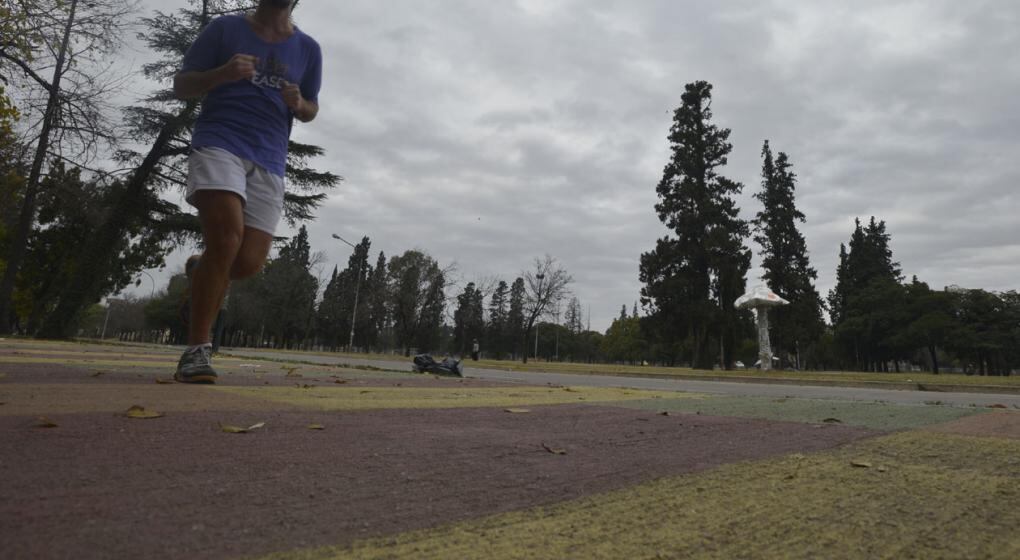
{"x": 795, "y": 327}
{"x": 276, "y": 307}
{"x": 496, "y": 332}
{"x": 417, "y": 301}
{"x": 468, "y": 318}
{"x": 574, "y": 316}
{"x": 692, "y": 278}
{"x": 515, "y": 318}
{"x": 71, "y": 209}
{"x": 867, "y": 303}
{"x": 623, "y": 342}
{"x": 163, "y": 312}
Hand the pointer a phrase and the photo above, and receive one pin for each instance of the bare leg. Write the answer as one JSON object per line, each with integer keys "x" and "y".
{"x": 252, "y": 254}
{"x": 222, "y": 217}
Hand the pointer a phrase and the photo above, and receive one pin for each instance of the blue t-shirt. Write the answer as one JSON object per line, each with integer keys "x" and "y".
{"x": 248, "y": 118}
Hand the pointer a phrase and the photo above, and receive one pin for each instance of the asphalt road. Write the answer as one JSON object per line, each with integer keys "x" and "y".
{"x": 864, "y": 394}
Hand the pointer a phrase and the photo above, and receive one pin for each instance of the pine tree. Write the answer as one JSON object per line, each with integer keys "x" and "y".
{"x": 378, "y": 318}
{"x": 868, "y": 302}
{"x": 515, "y": 317}
{"x": 785, "y": 258}
{"x": 327, "y": 316}
{"x": 286, "y": 291}
{"x": 498, "y": 319}
{"x": 468, "y": 319}
{"x": 692, "y": 279}
{"x": 574, "y": 316}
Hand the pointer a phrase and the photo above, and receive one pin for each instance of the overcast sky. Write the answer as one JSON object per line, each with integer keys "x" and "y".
{"x": 491, "y": 133}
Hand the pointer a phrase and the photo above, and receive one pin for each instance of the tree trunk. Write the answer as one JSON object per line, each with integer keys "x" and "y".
{"x": 934, "y": 359}
{"x": 26, "y": 219}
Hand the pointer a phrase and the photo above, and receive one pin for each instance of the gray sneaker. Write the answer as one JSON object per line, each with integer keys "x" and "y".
{"x": 196, "y": 366}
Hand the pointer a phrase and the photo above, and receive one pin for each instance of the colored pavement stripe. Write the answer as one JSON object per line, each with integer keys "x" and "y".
{"x": 105, "y": 486}
{"x": 34, "y": 399}
{"x": 357, "y": 398}
{"x": 995, "y": 424}
{"x": 915, "y": 495}
{"x": 25, "y": 399}
{"x": 879, "y": 416}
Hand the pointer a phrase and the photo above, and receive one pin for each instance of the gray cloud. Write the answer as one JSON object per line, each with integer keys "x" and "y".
{"x": 488, "y": 133}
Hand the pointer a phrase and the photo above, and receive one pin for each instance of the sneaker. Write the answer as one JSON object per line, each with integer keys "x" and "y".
{"x": 196, "y": 366}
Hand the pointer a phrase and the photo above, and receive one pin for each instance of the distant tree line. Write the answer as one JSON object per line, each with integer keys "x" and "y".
{"x": 877, "y": 322}
{"x": 72, "y": 234}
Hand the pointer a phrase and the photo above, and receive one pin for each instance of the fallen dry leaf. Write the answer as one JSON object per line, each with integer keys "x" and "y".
{"x": 571, "y": 390}
{"x": 139, "y": 413}
{"x": 882, "y": 469}
{"x": 161, "y": 381}
{"x": 861, "y": 464}
{"x": 517, "y": 410}
{"x": 44, "y": 422}
{"x": 832, "y": 421}
{"x": 340, "y": 381}
{"x": 97, "y": 374}
{"x": 237, "y": 430}
{"x": 290, "y": 371}
{"x": 997, "y": 406}
{"x": 316, "y": 427}
{"x": 664, "y": 413}
{"x": 554, "y": 451}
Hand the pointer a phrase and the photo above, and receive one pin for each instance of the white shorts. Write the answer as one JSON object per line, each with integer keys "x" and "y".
{"x": 215, "y": 169}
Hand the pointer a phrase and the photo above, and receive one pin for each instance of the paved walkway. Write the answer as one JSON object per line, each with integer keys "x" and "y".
{"x": 101, "y": 457}
{"x": 715, "y": 387}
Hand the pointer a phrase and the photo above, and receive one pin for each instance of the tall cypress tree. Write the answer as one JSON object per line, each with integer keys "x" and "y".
{"x": 785, "y": 258}
{"x": 498, "y": 317}
{"x": 468, "y": 318}
{"x": 515, "y": 317}
{"x": 867, "y": 302}
{"x": 693, "y": 277}
{"x": 378, "y": 323}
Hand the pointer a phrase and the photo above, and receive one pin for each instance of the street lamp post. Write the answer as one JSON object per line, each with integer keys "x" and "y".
{"x": 357, "y": 288}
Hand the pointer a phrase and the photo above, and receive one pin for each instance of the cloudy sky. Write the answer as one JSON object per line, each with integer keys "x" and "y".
{"x": 491, "y": 133}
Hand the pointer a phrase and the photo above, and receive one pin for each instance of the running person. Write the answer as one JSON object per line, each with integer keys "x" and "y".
{"x": 258, "y": 72}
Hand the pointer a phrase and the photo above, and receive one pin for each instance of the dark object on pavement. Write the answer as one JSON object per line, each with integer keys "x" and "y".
{"x": 424, "y": 363}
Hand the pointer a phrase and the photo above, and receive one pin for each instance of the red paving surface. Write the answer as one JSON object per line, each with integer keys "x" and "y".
{"x": 102, "y": 486}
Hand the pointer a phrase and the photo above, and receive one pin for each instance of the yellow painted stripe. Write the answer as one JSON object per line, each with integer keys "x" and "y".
{"x": 357, "y": 398}
{"x": 924, "y": 496}
{"x": 167, "y": 361}
{"x": 66, "y": 398}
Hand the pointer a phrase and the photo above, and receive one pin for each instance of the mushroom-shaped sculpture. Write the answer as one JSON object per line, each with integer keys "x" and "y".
{"x": 761, "y": 298}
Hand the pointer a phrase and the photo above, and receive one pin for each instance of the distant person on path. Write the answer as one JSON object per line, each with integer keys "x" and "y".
{"x": 474, "y": 350}
{"x": 258, "y": 72}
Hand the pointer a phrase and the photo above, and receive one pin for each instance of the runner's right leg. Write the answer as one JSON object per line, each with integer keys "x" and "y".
{"x": 222, "y": 217}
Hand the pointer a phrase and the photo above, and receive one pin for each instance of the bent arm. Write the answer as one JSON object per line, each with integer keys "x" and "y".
{"x": 188, "y": 85}
{"x": 307, "y": 111}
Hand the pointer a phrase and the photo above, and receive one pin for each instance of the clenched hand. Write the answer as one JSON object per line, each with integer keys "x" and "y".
{"x": 292, "y": 97}
{"x": 239, "y": 67}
